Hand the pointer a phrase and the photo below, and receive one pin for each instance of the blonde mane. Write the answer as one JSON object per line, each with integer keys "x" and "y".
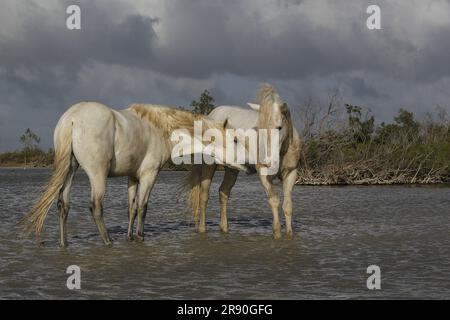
{"x": 290, "y": 129}
{"x": 168, "y": 119}
{"x": 267, "y": 96}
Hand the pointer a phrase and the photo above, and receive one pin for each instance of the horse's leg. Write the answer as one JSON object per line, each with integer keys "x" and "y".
{"x": 288, "y": 185}
{"x": 146, "y": 183}
{"x": 274, "y": 202}
{"x": 63, "y": 202}
{"x": 228, "y": 182}
{"x": 98, "y": 189}
{"x": 207, "y": 176}
{"x": 132, "y": 205}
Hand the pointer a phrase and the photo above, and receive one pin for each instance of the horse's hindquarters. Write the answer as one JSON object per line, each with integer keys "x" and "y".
{"x": 92, "y": 136}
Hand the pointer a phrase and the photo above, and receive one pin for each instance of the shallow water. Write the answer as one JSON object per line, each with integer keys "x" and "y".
{"x": 340, "y": 231}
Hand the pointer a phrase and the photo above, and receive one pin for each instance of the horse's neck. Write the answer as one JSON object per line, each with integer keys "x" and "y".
{"x": 166, "y": 119}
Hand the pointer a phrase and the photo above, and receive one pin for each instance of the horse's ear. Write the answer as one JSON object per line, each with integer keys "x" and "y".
{"x": 254, "y": 106}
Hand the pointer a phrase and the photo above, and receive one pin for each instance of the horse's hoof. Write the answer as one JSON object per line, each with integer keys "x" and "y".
{"x": 201, "y": 230}
{"x": 277, "y": 235}
{"x": 63, "y": 245}
{"x": 224, "y": 229}
{"x": 130, "y": 238}
{"x": 139, "y": 238}
{"x": 289, "y": 235}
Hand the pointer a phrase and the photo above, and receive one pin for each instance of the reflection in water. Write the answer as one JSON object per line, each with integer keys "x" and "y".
{"x": 340, "y": 231}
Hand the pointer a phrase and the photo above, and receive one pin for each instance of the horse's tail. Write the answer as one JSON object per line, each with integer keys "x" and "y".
{"x": 35, "y": 218}
{"x": 192, "y": 186}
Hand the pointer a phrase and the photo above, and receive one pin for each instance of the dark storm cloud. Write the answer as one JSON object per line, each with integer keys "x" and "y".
{"x": 433, "y": 62}
{"x": 217, "y": 38}
{"x": 50, "y": 56}
{"x": 203, "y": 38}
{"x": 168, "y": 52}
{"x": 361, "y": 88}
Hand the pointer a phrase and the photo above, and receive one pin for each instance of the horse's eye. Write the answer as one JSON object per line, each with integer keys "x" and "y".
{"x": 235, "y": 139}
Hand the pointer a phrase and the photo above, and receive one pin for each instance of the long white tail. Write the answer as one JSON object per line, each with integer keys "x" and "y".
{"x": 63, "y": 152}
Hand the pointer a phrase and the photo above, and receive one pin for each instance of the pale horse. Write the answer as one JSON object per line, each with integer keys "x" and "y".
{"x": 270, "y": 113}
{"x": 134, "y": 142}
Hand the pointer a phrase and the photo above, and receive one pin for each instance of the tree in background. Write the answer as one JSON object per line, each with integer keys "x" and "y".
{"x": 361, "y": 126}
{"x": 205, "y": 104}
{"x": 30, "y": 140}
{"x": 404, "y": 128}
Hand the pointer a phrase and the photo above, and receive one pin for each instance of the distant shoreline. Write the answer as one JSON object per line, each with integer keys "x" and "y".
{"x": 23, "y": 167}
{"x": 19, "y": 167}
{"x": 309, "y": 183}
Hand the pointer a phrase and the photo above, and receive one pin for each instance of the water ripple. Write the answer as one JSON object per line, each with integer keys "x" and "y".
{"x": 339, "y": 232}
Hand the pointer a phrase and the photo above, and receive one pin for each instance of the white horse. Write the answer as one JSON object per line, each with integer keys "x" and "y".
{"x": 134, "y": 142}
{"x": 270, "y": 113}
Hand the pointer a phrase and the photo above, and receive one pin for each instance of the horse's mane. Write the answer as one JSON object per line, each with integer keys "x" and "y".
{"x": 287, "y": 120}
{"x": 267, "y": 95}
{"x": 168, "y": 119}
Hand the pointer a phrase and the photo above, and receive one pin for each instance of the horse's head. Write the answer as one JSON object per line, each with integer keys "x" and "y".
{"x": 280, "y": 114}
{"x": 270, "y": 108}
{"x": 235, "y": 149}
{"x": 273, "y": 112}
{"x": 220, "y": 144}
{"x": 274, "y": 117}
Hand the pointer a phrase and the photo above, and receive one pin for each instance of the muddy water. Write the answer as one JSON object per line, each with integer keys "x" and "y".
{"x": 340, "y": 231}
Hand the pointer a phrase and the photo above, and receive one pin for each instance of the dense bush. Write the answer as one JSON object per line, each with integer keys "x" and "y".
{"x": 356, "y": 151}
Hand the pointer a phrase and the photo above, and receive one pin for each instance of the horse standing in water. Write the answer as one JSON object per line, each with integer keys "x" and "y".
{"x": 135, "y": 142}
{"x": 270, "y": 113}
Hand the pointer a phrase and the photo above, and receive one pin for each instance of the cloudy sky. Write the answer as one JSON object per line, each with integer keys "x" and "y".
{"x": 169, "y": 51}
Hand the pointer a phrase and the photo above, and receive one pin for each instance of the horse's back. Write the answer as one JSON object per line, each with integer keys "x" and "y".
{"x": 86, "y": 112}
{"x": 237, "y": 117}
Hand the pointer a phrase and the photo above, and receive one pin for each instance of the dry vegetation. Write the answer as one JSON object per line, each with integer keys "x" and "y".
{"x": 344, "y": 145}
